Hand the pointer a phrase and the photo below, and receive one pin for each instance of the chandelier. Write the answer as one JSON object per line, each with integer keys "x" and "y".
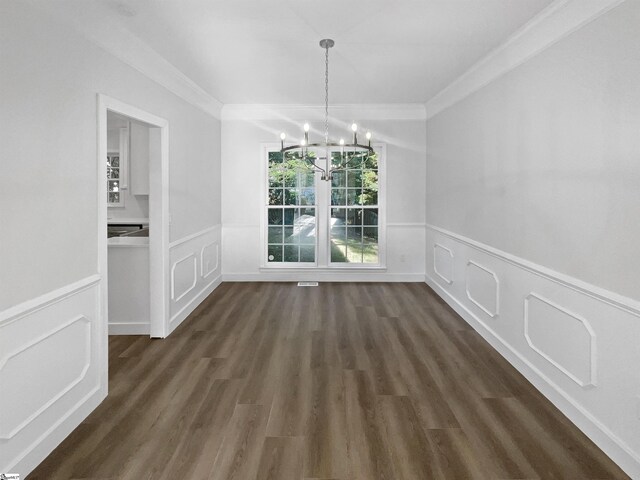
{"x": 347, "y": 151}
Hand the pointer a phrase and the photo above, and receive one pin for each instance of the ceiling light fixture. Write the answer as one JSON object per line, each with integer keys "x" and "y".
{"x": 347, "y": 151}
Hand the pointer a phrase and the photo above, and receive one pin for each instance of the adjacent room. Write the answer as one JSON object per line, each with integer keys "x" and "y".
{"x": 320, "y": 240}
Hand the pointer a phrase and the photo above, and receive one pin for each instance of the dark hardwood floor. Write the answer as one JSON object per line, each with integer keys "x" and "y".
{"x": 341, "y": 381}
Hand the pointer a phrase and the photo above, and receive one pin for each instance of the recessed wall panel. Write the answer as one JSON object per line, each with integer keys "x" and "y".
{"x": 563, "y": 338}
{"x": 443, "y": 262}
{"x": 483, "y": 288}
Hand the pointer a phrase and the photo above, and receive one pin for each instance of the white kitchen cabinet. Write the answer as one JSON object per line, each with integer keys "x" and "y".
{"x": 139, "y": 159}
{"x": 129, "y": 283}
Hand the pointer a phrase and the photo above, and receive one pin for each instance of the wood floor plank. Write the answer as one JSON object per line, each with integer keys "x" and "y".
{"x": 369, "y": 452}
{"x": 325, "y": 454}
{"x": 282, "y": 459}
{"x": 195, "y": 456}
{"x": 411, "y": 453}
{"x": 344, "y": 381}
{"x": 239, "y": 454}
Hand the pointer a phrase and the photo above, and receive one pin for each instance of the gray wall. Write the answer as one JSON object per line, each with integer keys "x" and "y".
{"x": 544, "y": 162}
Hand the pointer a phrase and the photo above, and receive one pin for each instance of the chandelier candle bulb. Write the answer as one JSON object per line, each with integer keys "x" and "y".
{"x": 368, "y": 135}
{"x": 282, "y": 137}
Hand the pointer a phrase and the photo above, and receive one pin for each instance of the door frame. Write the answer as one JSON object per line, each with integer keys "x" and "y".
{"x": 158, "y": 216}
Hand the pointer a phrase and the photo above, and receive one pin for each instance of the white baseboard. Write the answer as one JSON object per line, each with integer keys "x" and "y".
{"x": 53, "y": 437}
{"x": 183, "y": 313}
{"x": 141, "y": 328}
{"x": 595, "y": 385}
{"x": 342, "y": 276}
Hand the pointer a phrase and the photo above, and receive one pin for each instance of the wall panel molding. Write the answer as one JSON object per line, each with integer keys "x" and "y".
{"x": 175, "y": 296}
{"x": 554, "y": 23}
{"x": 576, "y": 343}
{"x": 491, "y": 312}
{"x": 62, "y": 331}
{"x": 206, "y": 271}
{"x": 5, "y": 360}
{"x": 592, "y": 356}
{"x": 627, "y": 304}
{"x": 203, "y": 250}
{"x": 447, "y": 276}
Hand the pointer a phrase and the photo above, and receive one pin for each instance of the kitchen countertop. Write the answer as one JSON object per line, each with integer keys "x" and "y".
{"x": 128, "y": 221}
{"x": 128, "y": 242}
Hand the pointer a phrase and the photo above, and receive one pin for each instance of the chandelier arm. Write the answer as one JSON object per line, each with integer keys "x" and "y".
{"x": 360, "y": 147}
{"x": 318, "y": 168}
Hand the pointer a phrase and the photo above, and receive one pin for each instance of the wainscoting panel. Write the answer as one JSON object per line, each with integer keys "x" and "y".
{"x": 195, "y": 272}
{"x": 443, "y": 263}
{"x": 547, "y": 326}
{"x": 483, "y": 288}
{"x": 577, "y": 343}
{"x": 51, "y": 361}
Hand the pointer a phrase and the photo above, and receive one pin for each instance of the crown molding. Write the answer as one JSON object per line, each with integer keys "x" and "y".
{"x": 125, "y": 46}
{"x": 403, "y": 111}
{"x": 557, "y": 21}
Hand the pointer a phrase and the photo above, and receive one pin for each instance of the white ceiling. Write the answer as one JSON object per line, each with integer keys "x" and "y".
{"x": 266, "y": 51}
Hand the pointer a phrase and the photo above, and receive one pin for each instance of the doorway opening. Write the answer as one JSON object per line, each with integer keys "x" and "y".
{"x": 132, "y": 248}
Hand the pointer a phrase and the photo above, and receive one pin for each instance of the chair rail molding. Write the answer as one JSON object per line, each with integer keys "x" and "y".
{"x": 58, "y": 342}
{"x": 575, "y": 342}
{"x": 204, "y": 274}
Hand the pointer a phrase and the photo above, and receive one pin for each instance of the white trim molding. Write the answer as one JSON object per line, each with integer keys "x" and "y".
{"x": 56, "y": 341}
{"x": 192, "y": 236}
{"x": 591, "y": 381}
{"x": 158, "y": 211}
{"x": 402, "y": 111}
{"x": 325, "y": 275}
{"x": 117, "y": 40}
{"x": 174, "y": 296}
{"x": 557, "y": 21}
{"x": 614, "y": 299}
{"x": 43, "y": 301}
{"x": 210, "y": 270}
{"x": 579, "y": 348}
{"x": 206, "y": 277}
{"x": 448, "y": 280}
{"x": 496, "y": 312}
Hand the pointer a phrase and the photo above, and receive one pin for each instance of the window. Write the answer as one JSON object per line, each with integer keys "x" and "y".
{"x": 291, "y": 211}
{"x": 354, "y": 211}
{"x": 310, "y": 222}
{"x": 117, "y": 166}
{"x": 114, "y": 167}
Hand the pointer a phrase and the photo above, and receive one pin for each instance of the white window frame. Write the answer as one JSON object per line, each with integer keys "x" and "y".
{"x": 124, "y": 168}
{"x": 323, "y": 216}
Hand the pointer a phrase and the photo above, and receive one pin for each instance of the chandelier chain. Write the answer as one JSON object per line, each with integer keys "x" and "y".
{"x": 326, "y": 95}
